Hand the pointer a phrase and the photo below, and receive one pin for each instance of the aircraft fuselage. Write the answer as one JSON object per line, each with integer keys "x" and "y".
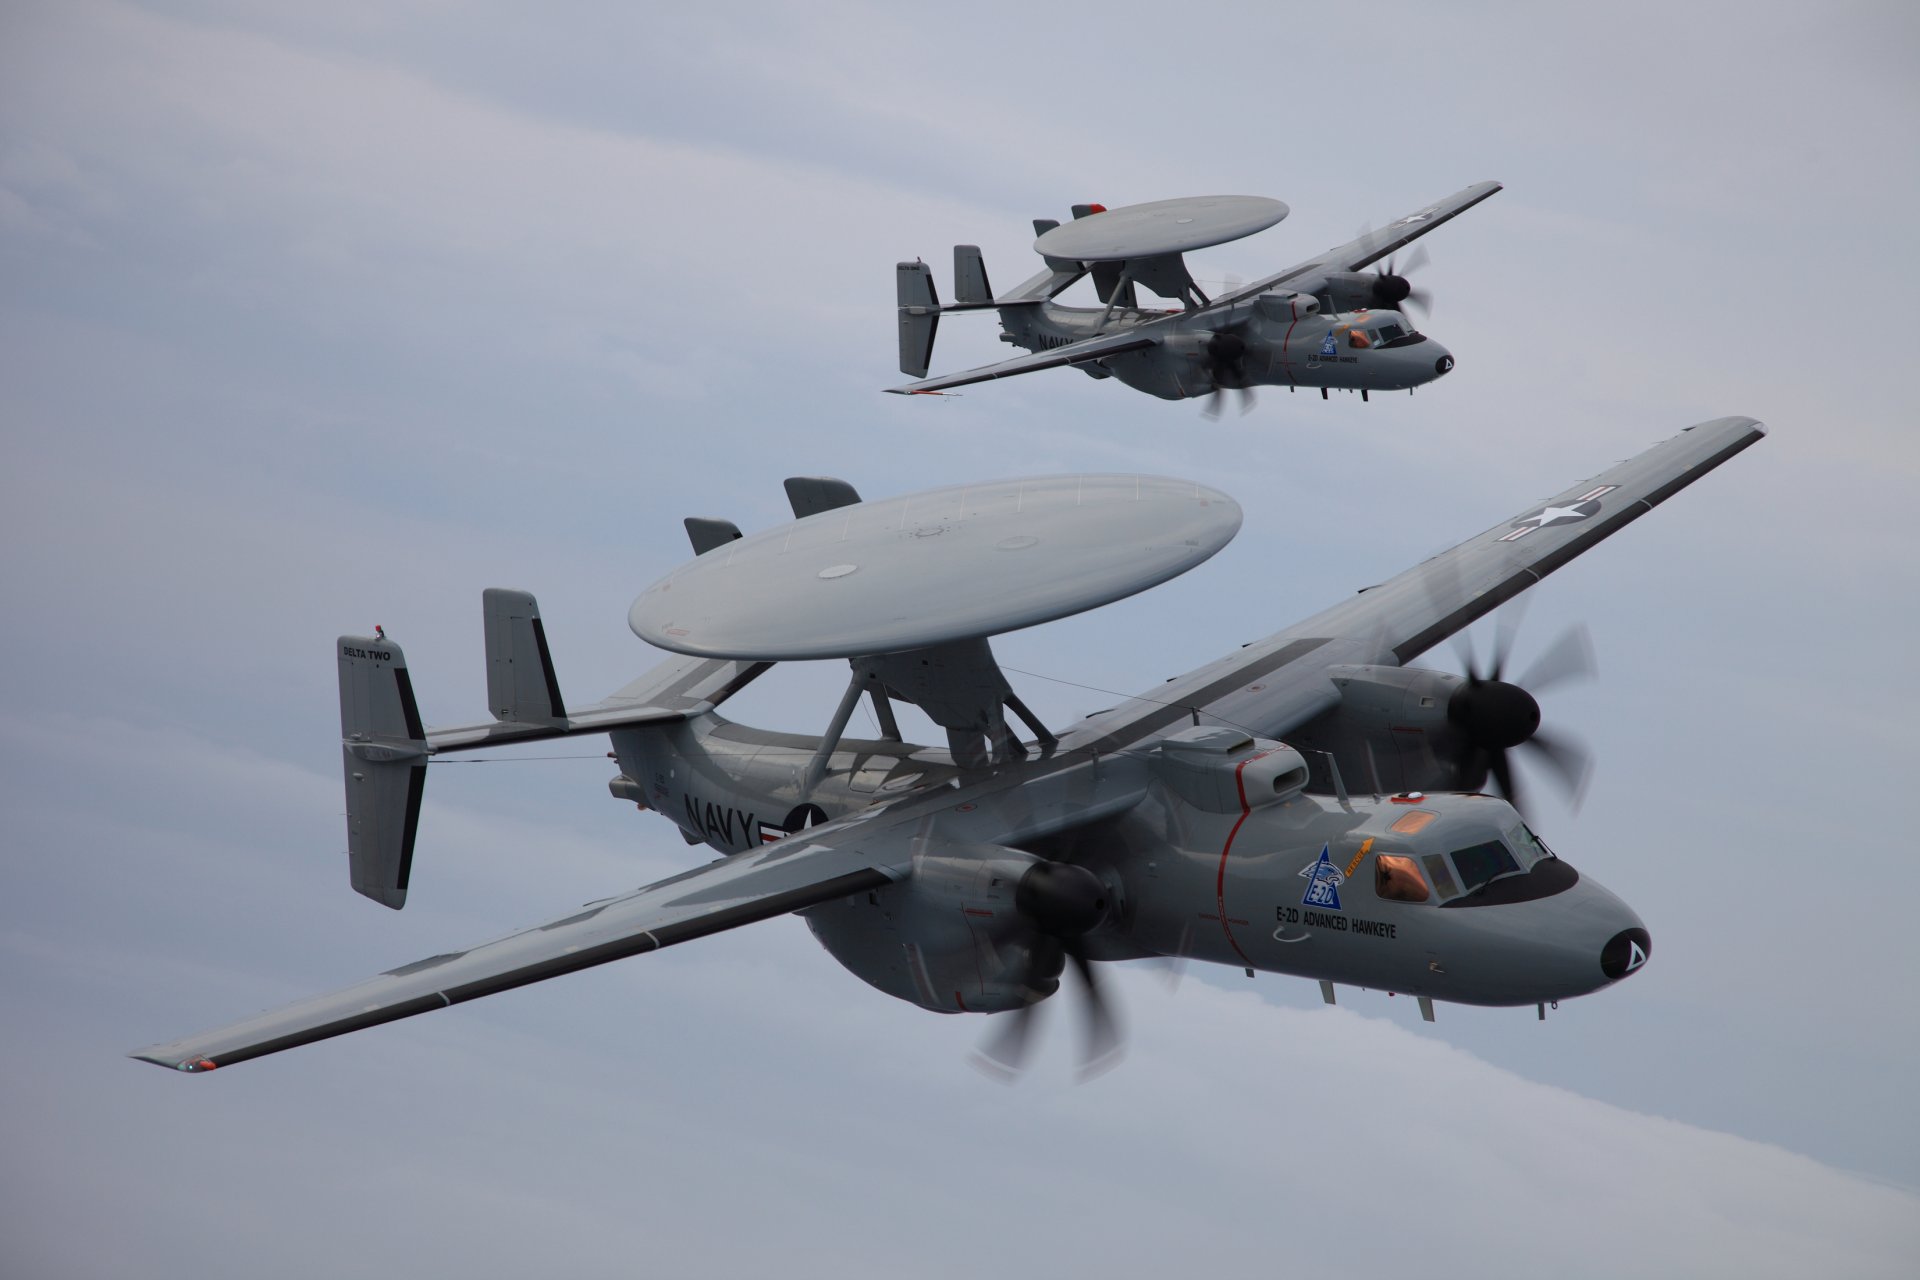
{"x": 1373, "y": 892}
{"x": 1368, "y": 350}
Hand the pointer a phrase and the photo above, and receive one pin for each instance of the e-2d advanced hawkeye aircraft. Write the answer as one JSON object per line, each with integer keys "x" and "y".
{"x": 1328, "y": 323}
{"x": 1306, "y": 805}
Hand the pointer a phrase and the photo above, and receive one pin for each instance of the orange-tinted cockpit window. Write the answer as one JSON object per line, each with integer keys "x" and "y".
{"x": 1398, "y": 879}
{"x": 1414, "y": 822}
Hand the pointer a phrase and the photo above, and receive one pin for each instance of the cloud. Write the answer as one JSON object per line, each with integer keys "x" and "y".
{"x": 322, "y": 317}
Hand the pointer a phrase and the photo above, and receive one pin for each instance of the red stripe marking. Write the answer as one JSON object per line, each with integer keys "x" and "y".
{"x": 1286, "y": 345}
{"x": 1220, "y": 881}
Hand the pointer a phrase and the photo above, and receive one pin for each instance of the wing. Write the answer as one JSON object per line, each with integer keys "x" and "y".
{"x": 1277, "y": 684}
{"x": 1106, "y": 344}
{"x": 747, "y": 887}
{"x": 1371, "y": 247}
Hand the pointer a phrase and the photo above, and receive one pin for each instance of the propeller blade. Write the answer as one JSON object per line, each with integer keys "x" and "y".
{"x": 1423, "y": 299}
{"x": 1210, "y": 405}
{"x": 1569, "y": 658}
{"x": 1005, "y": 1055}
{"x": 1463, "y": 649}
{"x": 1415, "y": 260}
{"x": 1501, "y": 771}
{"x": 1568, "y": 760}
{"x": 1174, "y": 966}
{"x": 1506, "y": 624}
{"x": 1247, "y": 400}
{"x": 1103, "y": 1051}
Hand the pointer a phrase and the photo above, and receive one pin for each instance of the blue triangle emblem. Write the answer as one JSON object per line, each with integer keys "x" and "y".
{"x": 1323, "y": 883}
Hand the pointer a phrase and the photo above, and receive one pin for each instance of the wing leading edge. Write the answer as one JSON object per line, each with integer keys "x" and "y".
{"x": 743, "y": 889}
{"x": 1277, "y": 684}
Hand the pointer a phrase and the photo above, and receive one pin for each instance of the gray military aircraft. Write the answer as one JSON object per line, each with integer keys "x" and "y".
{"x": 1327, "y": 323}
{"x": 1307, "y": 805}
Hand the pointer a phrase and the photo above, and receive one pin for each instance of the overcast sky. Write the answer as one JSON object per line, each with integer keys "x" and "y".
{"x": 313, "y": 317}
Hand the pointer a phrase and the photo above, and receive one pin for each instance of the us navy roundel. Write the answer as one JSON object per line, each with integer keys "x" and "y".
{"x": 1587, "y": 504}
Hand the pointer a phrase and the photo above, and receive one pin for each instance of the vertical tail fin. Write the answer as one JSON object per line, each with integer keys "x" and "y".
{"x": 919, "y": 316}
{"x": 521, "y": 687}
{"x": 383, "y": 749}
{"x": 970, "y": 287}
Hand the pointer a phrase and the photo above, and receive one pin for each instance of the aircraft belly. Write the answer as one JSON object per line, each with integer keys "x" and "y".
{"x": 923, "y": 942}
{"x": 1153, "y": 372}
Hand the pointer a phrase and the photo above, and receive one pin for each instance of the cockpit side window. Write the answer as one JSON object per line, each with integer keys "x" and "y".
{"x": 1397, "y": 879}
{"x": 1388, "y": 332}
{"x": 1359, "y": 339}
{"x": 1529, "y": 846}
{"x": 1441, "y": 875}
{"x": 1480, "y": 863}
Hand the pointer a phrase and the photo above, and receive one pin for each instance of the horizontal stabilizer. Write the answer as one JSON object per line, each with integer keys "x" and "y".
{"x": 521, "y": 686}
{"x": 810, "y": 495}
{"x": 919, "y": 316}
{"x": 705, "y": 533}
{"x": 384, "y": 754}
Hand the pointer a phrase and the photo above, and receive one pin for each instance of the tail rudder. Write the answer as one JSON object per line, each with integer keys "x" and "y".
{"x": 383, "y": 750}
{"x": 970, "y": 287}
{"x": 919, "y": 316}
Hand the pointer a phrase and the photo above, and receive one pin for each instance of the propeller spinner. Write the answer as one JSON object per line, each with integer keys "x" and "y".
{"x": 1493, "y": 718}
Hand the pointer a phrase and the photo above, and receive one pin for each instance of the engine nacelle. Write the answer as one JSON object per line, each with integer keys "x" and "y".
{"x": 1283, "y": 306}
{"x": 1393, "y": 699}
{"x": 1385, "y": 731}
{"x": 1224, "y": 770}
{"x": 948, "y": 938}
{"x": 1358, "y": 290}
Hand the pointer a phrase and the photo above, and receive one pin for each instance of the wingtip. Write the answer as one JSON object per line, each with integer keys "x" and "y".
{"x": 172, "y": 1062}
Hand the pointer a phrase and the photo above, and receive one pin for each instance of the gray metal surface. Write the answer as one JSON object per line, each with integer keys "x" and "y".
{"x": 1160, "y": 227}
{"x": 946, "y": 564}
{"x": 903, "y": 862}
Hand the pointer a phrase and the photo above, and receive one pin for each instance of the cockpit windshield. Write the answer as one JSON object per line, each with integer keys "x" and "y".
{"x": 1529, "y": 846}
{"x": 1480, "y": 863}
{"x": 1395, "y": 335}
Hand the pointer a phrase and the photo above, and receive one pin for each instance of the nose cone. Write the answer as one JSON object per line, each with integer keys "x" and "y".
{"x": 1604, "y": 936}
{"x": 1442, "y": 360}
{"x": 1625, "y": 952}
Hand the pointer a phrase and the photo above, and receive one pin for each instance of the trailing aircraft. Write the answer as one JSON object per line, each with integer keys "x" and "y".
{"x": 1327, "y": 323}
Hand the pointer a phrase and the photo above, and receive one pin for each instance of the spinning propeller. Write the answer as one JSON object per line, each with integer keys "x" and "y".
{"x": 1391, "y": 287}
{"x": 1225, "y": 361}
{"x": 1492, "y": 717}
{"x": 1225, "y": 356}
{"x": 1061, "y": 903}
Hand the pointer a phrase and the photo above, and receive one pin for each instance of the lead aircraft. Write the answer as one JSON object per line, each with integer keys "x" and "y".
{"x": 1308, "y": 804}
{"x": 1327, "y": 323}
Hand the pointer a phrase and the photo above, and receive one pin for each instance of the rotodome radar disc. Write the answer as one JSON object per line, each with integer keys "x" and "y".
{"x": 1160, "y": 227}
{"x": 946, "y": 564}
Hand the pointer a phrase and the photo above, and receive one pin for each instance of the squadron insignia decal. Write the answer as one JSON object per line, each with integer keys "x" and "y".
{"x": 1323, "y": 882}
{"x": 1587, "y": 504}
